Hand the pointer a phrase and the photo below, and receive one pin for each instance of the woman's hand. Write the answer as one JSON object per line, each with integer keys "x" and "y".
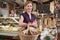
{"x": 29, "y": 24}
{"x": 34, "y": 24}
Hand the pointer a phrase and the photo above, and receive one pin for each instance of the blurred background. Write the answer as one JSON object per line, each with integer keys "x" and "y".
{"x": 9, "y": 23}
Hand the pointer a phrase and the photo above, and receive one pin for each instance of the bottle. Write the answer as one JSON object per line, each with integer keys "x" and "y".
{"x": 40, "y": 26}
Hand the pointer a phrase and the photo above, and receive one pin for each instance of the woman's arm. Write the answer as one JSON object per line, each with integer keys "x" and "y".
{"x": 21, "y": 23}
{"x": 33, "y": 24}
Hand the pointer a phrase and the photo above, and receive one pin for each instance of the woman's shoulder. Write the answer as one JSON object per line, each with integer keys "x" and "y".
{"x": 23, "y": 14}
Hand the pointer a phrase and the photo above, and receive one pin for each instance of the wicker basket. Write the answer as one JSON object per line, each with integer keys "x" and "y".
{"x": 27, "y": 37}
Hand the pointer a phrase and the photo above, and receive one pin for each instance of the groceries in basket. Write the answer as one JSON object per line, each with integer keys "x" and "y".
{"x": 30, "y": 31}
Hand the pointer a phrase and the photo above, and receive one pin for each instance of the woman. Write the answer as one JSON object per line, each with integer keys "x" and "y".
{"x": 27, "y": 18}
{"x": 12, "y": 14}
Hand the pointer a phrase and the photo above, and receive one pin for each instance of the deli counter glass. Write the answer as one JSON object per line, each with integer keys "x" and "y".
{"x": 9, "y": 26}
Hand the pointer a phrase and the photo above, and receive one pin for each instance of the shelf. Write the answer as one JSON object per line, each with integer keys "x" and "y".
{"x": 10, "y": 17}
{"x": 9, "y": 33}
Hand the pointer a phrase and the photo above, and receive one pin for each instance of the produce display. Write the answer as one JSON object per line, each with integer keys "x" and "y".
{"x": 8, "y": 24}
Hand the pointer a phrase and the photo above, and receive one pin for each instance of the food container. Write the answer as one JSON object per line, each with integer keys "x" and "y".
{"x": 27, "y": 37}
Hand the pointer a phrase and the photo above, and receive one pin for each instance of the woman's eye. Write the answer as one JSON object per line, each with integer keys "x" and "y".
{"x": 29, "y": 6}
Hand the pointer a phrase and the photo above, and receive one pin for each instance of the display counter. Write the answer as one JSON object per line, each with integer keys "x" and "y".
{"x": 8, "y": 33}
{"x": 11, "y": 31}
{"x": 8, "y": 26}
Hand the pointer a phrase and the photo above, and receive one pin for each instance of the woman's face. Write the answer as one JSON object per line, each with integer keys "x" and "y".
{"x": 28, "y": 7}
{"x": 12, "y": 12}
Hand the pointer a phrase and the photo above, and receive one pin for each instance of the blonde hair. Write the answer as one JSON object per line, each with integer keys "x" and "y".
{"x": 26, "y": 3}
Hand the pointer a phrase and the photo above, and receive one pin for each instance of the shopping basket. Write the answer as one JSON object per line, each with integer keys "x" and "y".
{"x": 27, "y": 37}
